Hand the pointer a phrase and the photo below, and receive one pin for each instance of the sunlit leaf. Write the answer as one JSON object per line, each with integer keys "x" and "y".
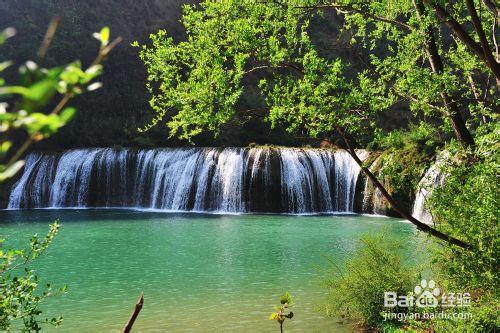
{"x": 11, "y": 171}
{"x": 6, "y": 34}
{"x": 273, "y": 316}
{"x": 41, "y": 90}
{"x": 5, "y": 146}
{"x": 94, "y": 86}
{"x": 4, "y": 65}
{"x": 10, "y": 90}
{"x": 104, "y": 35}
{"x": 67, "y": 114}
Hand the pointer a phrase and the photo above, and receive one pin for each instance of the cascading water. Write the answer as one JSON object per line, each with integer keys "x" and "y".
{"x": 277, "y": 180}
{"x": 433, "y": 178}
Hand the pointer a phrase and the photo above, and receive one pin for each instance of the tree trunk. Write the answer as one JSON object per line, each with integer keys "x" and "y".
{"x": 457, "y": 122}
{"x": 420, "y": 225}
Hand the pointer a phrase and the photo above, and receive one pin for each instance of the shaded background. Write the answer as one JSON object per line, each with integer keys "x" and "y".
{"x": 110, "y": 116}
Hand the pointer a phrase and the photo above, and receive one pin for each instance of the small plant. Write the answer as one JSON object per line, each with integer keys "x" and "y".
{"x": 20, "y": 291}
{"x": 280, "y": 315}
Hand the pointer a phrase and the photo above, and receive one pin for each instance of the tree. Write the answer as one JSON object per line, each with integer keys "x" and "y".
{"x": 21, "y": 294}
{"x": 196, "y": 84}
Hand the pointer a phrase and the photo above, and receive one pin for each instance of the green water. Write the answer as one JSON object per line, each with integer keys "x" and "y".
{"x": 199, "y": 273}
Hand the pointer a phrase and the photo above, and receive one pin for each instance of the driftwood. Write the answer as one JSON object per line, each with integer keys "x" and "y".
{"x": 133, "y": 317}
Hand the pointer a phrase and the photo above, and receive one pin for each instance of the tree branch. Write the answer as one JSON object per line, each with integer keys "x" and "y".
{"x": 420, "y": 225}
{"x": 491, "y": 6}
{"x": 47, "y": 39}
{"x": 284, "y": 65}
{"x": 458, "y": 31}
{"x": 461, "y": 131}
{"x": 32, "y": 138}
{"x": 349, "y": 9}
{"x": 491, "y": 62}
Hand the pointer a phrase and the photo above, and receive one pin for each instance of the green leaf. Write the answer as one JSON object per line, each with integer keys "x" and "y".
{"x": 67, "y": 114}
{"x": 273, "y": 316}
{"x": 4, "y": 147}
{"x": 40, "y": 90}
{"x": 104, "y": 36}
{"x": 10, "y": 90}
{"x": 6, "y": 34}
{"x": 286, "y": 298}
{"x": 4, "y": 65}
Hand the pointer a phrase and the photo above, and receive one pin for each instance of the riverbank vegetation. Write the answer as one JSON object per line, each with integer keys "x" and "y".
{"x": 356, "y": 291}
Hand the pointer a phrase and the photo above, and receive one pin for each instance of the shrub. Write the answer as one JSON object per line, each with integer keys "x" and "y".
{"x": 466, "y": 206}
{"x": 358, "y": 292}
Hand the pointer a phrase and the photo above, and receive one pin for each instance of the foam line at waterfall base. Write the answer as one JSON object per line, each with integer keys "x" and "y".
{"x": 379, "y": 215}
{"x": 195, "y": 212}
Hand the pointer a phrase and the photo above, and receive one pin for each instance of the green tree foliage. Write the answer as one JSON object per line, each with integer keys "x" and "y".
{"x": 24, "y": 113}
{"x": 467, "y": 204}
{"x": 197, "y": 84}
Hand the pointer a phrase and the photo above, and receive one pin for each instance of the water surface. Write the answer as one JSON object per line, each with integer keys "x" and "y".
{"x": 199, "y": 273}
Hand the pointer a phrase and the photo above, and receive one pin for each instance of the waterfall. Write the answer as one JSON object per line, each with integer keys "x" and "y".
{"x": 233, "y": 180}
{"x": 432, "y": 178}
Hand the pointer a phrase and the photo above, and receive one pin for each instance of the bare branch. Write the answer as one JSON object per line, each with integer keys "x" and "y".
{"x": 47, "y": 39}
{"x": 282, "y": 66}
{"x": 494, "y": 37}
{"x": 103, "y": 53}
{"x": 135, "y": 313}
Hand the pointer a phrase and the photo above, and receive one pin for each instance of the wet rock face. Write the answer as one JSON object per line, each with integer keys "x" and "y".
{"x": 369, "y": 200}
{"x": 268, "y": 180}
